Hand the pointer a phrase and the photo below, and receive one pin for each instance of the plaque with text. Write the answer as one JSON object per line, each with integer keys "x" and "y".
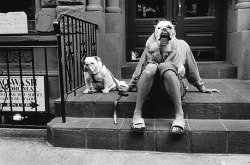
{"x": 13, "y": 23}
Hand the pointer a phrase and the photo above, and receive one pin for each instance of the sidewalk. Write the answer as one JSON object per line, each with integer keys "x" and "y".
{"x": 24, "y": 151}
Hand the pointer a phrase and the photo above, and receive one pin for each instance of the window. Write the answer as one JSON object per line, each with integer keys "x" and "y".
{"x": 200, "y": 8}
{"x": 28, "y": 6}
{"x": 149, "y": 8}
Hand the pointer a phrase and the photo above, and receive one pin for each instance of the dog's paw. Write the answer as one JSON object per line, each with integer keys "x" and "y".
{"x": 89, "y": 91}
{"x": 105, "y": 90}
{"x": 86, "y": 91}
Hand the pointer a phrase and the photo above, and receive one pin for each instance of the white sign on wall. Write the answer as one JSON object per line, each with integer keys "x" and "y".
{"x": 13, "y": 23}
{"x": 28, "y": 93}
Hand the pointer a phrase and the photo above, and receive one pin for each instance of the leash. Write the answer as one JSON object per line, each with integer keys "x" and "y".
{"x": 115, "y": 109}
{"x": 121, "y": 93}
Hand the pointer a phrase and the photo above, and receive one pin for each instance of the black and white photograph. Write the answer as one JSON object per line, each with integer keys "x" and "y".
{"x": 124, "y": 82}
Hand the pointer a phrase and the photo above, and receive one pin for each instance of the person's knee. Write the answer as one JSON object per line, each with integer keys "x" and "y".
{"x": 168, "y": 74}
{"x": 150, "y": 70}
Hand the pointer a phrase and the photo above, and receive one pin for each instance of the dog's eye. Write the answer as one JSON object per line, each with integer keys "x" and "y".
{"x": 169, "y": 27}
{"x": 159, "y": 28}
{"x": 92, "y": 63}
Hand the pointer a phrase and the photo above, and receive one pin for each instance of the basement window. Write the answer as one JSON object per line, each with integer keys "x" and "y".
{"x": 28, "y": 6}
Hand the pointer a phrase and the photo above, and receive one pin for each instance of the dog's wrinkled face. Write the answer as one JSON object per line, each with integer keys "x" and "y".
{"x": 164, "y": 29}
{"x": 91, "y": 63}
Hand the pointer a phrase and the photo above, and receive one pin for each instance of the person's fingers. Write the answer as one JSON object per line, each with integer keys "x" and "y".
{"x": 212, "y": 90}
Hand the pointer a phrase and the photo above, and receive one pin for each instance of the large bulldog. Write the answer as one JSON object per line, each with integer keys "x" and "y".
{"x": 97, "y": 77}
{"x": 161, "y": 46}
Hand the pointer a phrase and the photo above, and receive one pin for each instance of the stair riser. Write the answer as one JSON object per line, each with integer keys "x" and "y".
{"x": 157, "y": 110}
{"x": 201, "y": 136}
{"x": 207, "y": 71}
{"x": 163, "y": 141}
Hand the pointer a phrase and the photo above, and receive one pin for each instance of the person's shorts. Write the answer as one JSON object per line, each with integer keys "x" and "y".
{"x": 158, "y": 87}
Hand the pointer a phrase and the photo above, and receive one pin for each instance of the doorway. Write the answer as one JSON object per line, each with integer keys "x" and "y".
{"x": 201, "y": 23}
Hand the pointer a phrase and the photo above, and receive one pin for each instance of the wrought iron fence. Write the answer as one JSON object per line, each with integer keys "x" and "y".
{"x": 24, "y": 81}
{"x": 76, "y": 40}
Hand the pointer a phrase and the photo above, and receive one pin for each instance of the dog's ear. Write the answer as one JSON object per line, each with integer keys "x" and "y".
{"x": 155, "y": 22}
{"x": 173, "y": 22}
{"x": 83, "y": 59}
{"x": 97, "y": 58}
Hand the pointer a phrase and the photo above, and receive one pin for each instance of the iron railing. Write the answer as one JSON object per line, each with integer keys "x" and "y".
{"x": 24, "y": 81}
{"x": 76, "y": 40}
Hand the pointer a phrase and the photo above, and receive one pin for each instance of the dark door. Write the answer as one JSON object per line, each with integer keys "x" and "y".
{"x": 199, "y": 22}
{"x": 201, "y": 25}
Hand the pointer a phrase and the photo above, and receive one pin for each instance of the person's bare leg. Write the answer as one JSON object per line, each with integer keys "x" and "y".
{"x": 172, "y": 85}
{"x": 144, "y": 86}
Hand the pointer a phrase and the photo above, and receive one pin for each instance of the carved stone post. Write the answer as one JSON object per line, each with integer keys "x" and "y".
{"x": 243, "y": 14}
{"x": 112, "y": 6}
{"x": 243, "y": 33}
{"x": 94, "y": 5}
{"x": 242, "y": 4}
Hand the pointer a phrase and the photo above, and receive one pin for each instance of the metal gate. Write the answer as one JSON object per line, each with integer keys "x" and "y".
{"x": 24, "y": 100}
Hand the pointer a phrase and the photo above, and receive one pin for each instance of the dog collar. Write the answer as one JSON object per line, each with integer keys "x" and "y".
{"x": 98, "y": 71}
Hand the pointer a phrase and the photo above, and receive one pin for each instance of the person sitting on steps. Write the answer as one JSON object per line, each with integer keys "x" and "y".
{"x": 171, "y": 59}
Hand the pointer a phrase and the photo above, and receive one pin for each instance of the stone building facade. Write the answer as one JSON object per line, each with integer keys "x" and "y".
{"x": 110, "y": 15}
{"x": 238, "y": 37}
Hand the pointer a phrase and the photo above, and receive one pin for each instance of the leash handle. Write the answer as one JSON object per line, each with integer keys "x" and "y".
{"x": 120, "y": 92}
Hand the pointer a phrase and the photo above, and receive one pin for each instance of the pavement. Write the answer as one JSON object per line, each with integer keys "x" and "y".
{"x": 36, "y": 151}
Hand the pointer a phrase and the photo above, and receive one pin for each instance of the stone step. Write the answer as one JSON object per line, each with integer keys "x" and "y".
{"x": 208, "y": 70}
{"x": 201, "y": 136}
{"x": 233, "y": 102}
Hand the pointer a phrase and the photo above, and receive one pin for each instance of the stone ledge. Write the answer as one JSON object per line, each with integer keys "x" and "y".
{"x": 28, "y": 38}
{"x": 23, "y": 133}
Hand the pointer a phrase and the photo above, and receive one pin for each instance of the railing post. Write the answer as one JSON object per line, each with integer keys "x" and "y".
{"x": 56, "y": 25}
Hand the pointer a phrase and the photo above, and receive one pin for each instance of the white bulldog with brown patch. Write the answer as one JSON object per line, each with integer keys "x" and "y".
{"x": 98, "y": 78}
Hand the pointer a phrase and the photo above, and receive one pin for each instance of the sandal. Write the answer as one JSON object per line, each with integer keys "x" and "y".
{"x": 136, "y": 123}
{"x": 180, "y": 125}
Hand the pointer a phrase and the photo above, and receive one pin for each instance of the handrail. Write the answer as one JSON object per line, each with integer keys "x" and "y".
{"x": 76, "y": 39}
{"x": 60, "y": 18}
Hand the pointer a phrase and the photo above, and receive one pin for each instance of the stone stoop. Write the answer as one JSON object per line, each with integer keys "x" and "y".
{"x": 233, "y": 102}
{"x": 215, "y": 123}
{"x": 201, "y": 136}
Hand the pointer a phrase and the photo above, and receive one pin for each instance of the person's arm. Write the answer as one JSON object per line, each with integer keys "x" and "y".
{"x": 192, "y": 74}
{"x": 137, "y": 73}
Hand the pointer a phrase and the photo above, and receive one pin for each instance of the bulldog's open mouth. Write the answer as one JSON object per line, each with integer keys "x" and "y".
{"x": 165, "y": 35}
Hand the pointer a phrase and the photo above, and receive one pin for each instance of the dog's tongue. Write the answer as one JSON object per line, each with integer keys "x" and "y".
{"x": 164, "y": 40}
{"x": 164, "y": 37}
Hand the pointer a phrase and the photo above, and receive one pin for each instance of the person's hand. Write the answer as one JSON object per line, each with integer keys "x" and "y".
{"x": 211, "y": 91}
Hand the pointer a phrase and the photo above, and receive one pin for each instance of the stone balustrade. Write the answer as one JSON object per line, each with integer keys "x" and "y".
{"x": 94, "y": 5}
{"x": 112, "y": 6}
